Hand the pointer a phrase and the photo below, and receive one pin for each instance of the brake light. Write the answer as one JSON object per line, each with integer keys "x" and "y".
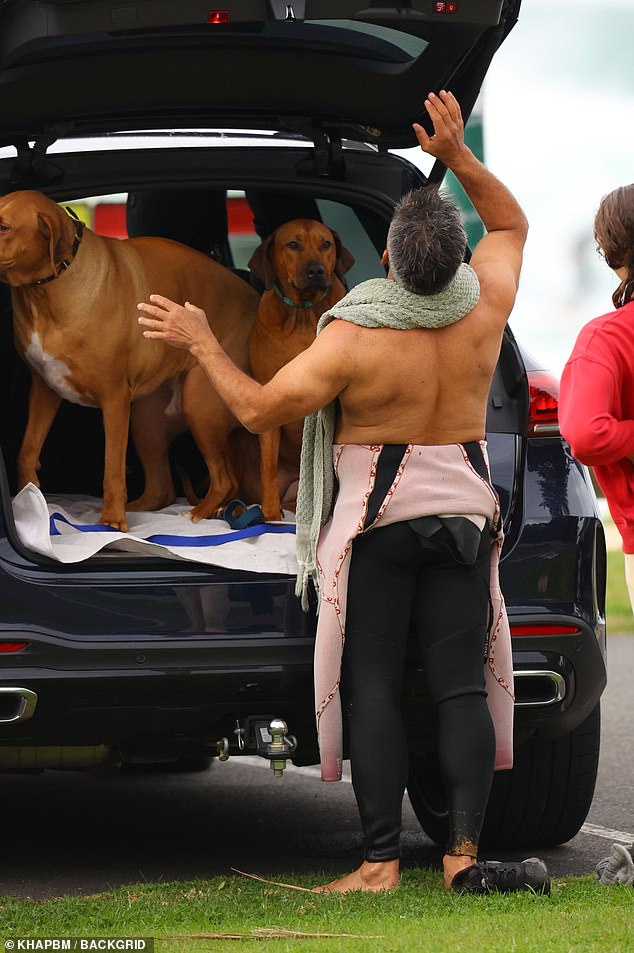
{"x": 545, "y": 630}
{"x": 12, "y": 646}
{"x": 543, "y": 397}
{"x": 218, "y": 16}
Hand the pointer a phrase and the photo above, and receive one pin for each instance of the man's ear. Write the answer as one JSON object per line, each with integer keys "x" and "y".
{"x": 385, "y": 259}
{"x": 345, "y": 260}
{"x": 49, "y": 229}
{"x": 261, "y": 263}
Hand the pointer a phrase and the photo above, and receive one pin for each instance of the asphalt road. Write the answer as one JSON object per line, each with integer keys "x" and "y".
{"x": 69, "y": 833}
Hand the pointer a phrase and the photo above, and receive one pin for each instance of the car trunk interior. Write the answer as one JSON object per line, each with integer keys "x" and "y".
{"x": 225, "y": 216}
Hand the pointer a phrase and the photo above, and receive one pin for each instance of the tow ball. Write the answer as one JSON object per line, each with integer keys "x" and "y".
{"x": 280, "y": 748}
{"x": 268, "y": 738}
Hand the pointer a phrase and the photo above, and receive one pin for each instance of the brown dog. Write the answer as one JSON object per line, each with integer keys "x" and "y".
{"x": 302, "y": 266}
{"x": 74, "y": 297}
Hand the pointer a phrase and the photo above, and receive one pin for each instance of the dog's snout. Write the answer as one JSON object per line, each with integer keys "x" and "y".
{"x": 315, "y": 269}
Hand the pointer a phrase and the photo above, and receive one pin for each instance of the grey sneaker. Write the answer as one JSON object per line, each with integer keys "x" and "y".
{"x": 617, "y": 867}
{"x": 492, "y": 876}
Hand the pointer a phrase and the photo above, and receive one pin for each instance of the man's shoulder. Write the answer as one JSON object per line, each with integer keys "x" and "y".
{"x": 338, "y": 329}
{"x": 338, "y": 341}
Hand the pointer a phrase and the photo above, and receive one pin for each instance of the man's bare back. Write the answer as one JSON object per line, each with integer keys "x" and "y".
{"x": 419, "y": 386}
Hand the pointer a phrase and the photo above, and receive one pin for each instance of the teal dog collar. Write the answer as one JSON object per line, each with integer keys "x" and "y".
{"x": 302, "y": 304}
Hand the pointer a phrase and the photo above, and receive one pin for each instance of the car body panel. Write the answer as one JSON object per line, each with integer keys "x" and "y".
{"x": 364, "y": 71}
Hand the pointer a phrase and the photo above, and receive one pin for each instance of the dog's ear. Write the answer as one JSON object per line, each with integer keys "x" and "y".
{"x": 261, "y": 262}
{"x": 345, "y": 260}
{"x": 49, "y": 228}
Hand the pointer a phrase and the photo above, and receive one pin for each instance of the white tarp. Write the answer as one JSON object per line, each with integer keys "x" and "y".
{"x": 65, "y": 528}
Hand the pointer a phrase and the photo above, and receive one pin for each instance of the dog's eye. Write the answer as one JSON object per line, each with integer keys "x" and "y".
{"x": 4, "y": 228}
{"x": 326, "y": 244}
{"x": 294, "y": 245}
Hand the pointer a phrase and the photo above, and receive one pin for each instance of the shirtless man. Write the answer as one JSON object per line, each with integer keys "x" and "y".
{"x": 423, "y": 390}
{"x": 434, "y": 390}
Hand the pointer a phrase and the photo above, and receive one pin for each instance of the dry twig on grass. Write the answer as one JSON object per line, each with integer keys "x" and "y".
{"x": 265, "y": 933}
{"x": 271, "y": 883}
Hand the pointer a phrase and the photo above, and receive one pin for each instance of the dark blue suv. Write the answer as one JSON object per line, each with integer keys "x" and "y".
{"x": 167, "y": 106}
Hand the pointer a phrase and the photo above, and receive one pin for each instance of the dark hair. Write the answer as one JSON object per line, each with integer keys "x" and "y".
{"x": 426, "y": 241}
{"x": 614, "y": 235}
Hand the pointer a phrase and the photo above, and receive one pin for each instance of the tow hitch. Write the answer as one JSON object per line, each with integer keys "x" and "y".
{"x": 267, "y": 737}
{"x": 279, "y": 748}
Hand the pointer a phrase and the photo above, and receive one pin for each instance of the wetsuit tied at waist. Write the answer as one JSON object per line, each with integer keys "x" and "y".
{"x": 425, "y": 481}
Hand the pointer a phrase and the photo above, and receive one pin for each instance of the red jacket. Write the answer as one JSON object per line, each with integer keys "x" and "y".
{"x": 596, "y": 410}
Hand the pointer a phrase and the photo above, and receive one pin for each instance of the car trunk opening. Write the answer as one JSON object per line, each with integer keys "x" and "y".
{"x": 226, "y": 199}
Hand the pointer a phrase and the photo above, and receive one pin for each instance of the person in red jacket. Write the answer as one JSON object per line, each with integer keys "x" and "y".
{"x": 596, "y": 408}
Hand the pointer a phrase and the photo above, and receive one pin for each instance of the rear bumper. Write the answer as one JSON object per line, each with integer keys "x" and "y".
{"x": 176, "y": 696}
{"x": 184, "y": 696}
{"x": 574, "y": 664}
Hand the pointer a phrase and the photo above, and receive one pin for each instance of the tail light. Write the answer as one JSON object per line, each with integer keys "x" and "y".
{"x": 544, "y": 630}
{"x": 218, "y": 16}
{"x": 12, "y": 646}
{"x": 543, "y": 413}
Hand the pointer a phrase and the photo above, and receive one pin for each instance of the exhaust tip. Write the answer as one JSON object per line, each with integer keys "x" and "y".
{"x": 538, "y": 687}
{"x": 16, "y": 704}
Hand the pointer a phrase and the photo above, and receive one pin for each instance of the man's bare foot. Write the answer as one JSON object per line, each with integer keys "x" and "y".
{"x": 369, "y": 877}
{"x": 452, "y": 864}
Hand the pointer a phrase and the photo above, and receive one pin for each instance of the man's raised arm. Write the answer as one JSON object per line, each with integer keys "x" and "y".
{"x": 497, "y": 258}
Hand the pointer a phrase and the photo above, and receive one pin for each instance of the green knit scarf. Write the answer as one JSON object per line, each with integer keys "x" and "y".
{"x": 378, "y": 303}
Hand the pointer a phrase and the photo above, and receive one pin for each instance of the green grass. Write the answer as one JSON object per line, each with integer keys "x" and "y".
{"x": 420, "y": 917}
{"x": 618, "y": 608}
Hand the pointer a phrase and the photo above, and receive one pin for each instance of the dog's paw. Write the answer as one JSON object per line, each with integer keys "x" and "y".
{"x": 206, "y": 510}
{"x": 273, "y": 514}
{"x": 114, "y": 522}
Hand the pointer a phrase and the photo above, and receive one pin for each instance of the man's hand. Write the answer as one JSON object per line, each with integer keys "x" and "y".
{"x": 184, "y": 327}
{"x": 447, "y": 143}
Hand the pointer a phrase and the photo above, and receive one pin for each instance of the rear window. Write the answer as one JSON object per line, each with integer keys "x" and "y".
{"x": 107, "y": 215}
{"x": 386, "y": 43}
{"x": 336, "y": 36}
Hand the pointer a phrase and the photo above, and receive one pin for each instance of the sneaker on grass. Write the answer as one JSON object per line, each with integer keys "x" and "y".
{"x": 617, "y": 867}
{"x": 492, "y": 876}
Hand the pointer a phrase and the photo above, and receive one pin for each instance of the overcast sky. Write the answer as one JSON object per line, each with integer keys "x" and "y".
{"x": 558, "y": 109}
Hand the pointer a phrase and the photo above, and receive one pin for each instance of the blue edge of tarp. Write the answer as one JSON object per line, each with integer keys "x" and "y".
{"x": 180, "y": 541}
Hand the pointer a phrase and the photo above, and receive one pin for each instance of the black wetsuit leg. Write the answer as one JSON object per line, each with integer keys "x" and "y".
{"x": 381, "y": 585}
{"x": 450, "y": 618}
{"x": 397, "y": 580}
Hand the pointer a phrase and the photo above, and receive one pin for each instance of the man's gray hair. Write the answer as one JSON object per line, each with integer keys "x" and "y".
{"x": 426, "y": 241}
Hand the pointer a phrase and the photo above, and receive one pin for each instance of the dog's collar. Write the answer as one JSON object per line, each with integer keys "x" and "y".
{"x": 301, "y": 304}
{"x": 66, "y": 263}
